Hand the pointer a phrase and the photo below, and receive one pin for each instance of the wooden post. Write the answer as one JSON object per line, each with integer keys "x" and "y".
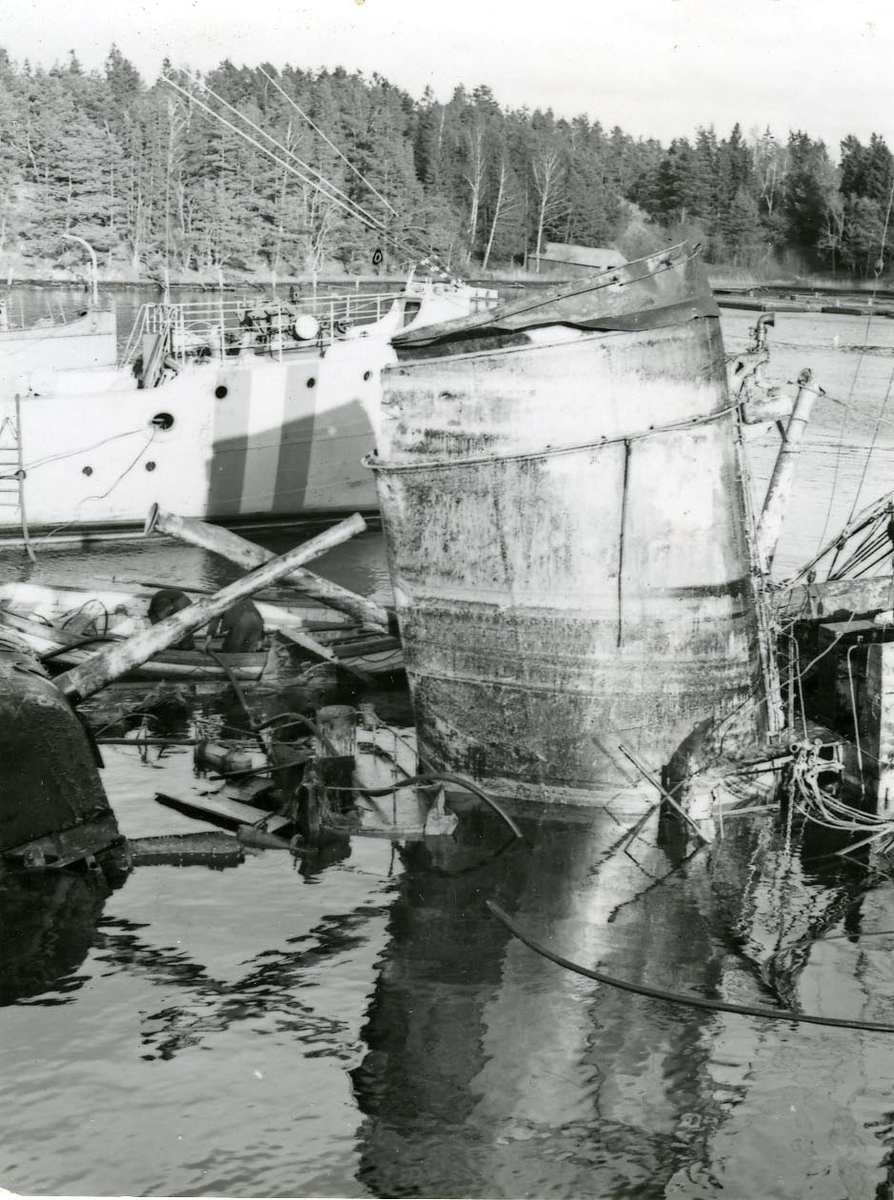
{"x": 249, "y": 555}
{"x": 326, "y": 793}
{"x": 875, "y": 725}
{"x": 335, "y": 749}
{"x": 107, "y": 665}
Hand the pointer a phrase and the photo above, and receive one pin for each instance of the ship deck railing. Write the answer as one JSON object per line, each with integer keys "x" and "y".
{"x": 220, "y": 326}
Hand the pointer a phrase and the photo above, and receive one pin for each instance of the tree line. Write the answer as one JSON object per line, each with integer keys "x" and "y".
{"x": 145, "y": 176}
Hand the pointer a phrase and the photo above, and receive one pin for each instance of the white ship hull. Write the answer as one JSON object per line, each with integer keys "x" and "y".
{"x": 236, "y": 437}
{"x": 29, "y": 355}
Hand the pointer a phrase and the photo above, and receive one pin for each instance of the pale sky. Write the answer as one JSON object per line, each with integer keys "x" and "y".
{"x": 657, "y": 68}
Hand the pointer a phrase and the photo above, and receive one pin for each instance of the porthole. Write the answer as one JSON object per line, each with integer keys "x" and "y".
{"x": 311, "y": 382}
{"x": 221, "y": 390}
{"x": 367, "y": 375}
{"x": 163, "y": 420}
{"x": 86, "y": 470}
{"x": 150, "y": 466}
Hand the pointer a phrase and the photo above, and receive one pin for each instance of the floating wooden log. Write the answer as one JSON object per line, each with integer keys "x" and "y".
{"x": 249, "y": 555}
{"x": 107, "y": 665}
{"x": 54, "y": 644}
{"x": 209, "y": 849}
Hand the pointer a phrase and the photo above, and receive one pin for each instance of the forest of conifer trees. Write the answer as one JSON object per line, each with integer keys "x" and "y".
{"x": 155, "y": 186}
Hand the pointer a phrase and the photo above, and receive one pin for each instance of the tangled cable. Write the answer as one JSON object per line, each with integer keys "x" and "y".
{"x": 817, "y": 804}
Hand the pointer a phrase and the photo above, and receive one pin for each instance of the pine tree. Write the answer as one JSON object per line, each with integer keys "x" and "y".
{"x": 809, "y": 186}
{"x": 740, "y": 228}
{"x": 12, "y": 158}
{"x": 592, "y": 209}
{"x": 123, "y": 82}
{"x": 675, "y": 198}
{"x": 734, "y": 166}
{"x": 70, "y": 165}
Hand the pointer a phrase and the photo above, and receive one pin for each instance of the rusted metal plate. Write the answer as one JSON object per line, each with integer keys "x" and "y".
{"x": 49, "y": 782}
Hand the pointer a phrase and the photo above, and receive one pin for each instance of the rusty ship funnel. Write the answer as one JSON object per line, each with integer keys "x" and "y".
{"x": 569, "y": 536}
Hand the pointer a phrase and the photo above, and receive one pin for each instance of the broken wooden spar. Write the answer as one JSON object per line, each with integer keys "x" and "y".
{"x": 567, "y": 532}
{"x": 107, "y": 665}
{"x": 248, "y": 555}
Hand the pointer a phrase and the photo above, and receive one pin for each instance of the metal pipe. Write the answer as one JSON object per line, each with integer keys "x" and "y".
{"x": 769, "y": 525}
{"x": 107, "y": 665}
{"x": 72, "y": 237}
{"x": 674, "y": 804}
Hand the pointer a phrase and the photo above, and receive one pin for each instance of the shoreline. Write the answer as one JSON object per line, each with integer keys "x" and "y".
{"x": 721, "y": 279}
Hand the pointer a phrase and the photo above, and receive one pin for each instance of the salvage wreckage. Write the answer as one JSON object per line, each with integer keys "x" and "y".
{"x": 277, "y": 787}
{"x": 544, "y": 661}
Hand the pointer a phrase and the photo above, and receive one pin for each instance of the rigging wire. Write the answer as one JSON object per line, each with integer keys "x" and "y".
{"x": 193, "y": 99}
{"x": 301, "y": 113}
{"x": 863, "y": 350}
{"x": 869, "y": 452}
{"x": 324, "y": 187}
{"x": 864, "y": 518}
{"x": 358, "y": 211}
{"x": 287, "y": 166}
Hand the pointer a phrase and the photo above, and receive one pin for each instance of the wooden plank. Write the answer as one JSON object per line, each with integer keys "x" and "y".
{"x": 222, "y": 810}
{"x": 312, "y": 646}
{"x": 360, "y": 647}
{"x": 249, "y": 556}
{"x": 82, "y": 681}
{"x": 69, "y": 650}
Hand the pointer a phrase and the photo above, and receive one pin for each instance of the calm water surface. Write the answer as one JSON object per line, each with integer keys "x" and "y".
{"x": 364, "y": 1026}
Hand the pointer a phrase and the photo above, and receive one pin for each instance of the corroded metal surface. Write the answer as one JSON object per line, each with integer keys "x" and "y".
{"x": 50, "y": 788}
{"x": 566, "y": 528}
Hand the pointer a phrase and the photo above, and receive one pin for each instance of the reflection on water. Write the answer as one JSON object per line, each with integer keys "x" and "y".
{"x": 364, "y": 1026}
{"x": 370, "y": 1028}
{"x": 48, "y": 925}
